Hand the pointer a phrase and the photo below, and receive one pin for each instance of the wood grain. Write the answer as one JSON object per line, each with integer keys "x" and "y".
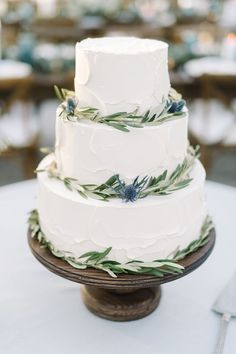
{"x": 121, "y": 306}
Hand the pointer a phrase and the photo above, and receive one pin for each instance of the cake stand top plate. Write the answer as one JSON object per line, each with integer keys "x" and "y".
{"x": 101, "y": 279}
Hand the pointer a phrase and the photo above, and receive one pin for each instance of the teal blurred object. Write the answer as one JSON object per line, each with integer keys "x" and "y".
{"x": 180, "y": 53}
{"x": 48, "y": 57}
{"x": 26, "y": 45}
{"x": 43, "y": 57}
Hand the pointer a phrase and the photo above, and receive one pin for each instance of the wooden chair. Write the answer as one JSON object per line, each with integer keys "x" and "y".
{"x": 12, "y": 91}
{"x": 221, "y": 87}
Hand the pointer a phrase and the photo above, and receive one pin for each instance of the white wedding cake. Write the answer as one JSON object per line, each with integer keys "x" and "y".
{"x": 122, "y": 176}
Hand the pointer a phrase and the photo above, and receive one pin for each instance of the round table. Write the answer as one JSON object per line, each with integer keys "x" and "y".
{"x": 41, "y": 313}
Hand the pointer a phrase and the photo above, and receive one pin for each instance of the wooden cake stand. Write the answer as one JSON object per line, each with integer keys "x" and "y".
{"x": 125, "y": 298}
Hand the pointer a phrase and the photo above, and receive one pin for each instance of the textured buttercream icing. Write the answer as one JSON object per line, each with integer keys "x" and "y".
{"x": 92, "y": 152}
{"x": 147, "y": 229}
{"x": 121, "y": 74}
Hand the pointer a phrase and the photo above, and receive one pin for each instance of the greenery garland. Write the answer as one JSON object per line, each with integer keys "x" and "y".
{"x": 99, "y": 260}
{"x": 114, "y": 187}
{"x": 169, "y": 109}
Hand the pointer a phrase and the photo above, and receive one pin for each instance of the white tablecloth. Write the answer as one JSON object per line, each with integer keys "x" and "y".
{"x": 41, "y": 313}
{"x": 210, "y": 66}
{"x": 12, "y": 70}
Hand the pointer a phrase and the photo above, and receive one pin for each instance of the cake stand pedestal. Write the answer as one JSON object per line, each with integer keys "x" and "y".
{"x": 125, "y": 298}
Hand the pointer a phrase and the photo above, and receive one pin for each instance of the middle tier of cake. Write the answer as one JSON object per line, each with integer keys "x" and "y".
{"x": 148, "y": 229}
{"x": 93, "y": 152}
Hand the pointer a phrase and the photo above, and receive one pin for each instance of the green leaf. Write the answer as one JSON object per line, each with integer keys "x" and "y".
{"x": 109, "y": 271}
{"x": 134, "y": 125}
{"x": 76, "y": 265}
{"x": 82, "y": 194}
{"x": 172, "y": 264}
{"x": 148, "y": 264}
{"x": 59, "y": 93}
{"x": 102, "y": 255}
{"x": 114, "y": 115}
{"x": 118, "y": 126}
{"x": 88, "y": 254}
{"x": 156, "y": 272}
{"x": 109, "y": 262}
{"x": 57, "y": 253}
{"x": 111, "y": 180}
{"x": 131, "y": 267}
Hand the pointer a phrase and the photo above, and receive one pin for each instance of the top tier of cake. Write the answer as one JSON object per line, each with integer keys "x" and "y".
{"x": 121, "y": 73}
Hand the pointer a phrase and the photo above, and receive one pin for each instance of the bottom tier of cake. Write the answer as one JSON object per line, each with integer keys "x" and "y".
{"x": 148, "y": 229}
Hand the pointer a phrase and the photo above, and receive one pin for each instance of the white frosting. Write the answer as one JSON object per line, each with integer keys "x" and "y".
{"x": 121, "y": 73}
{"x": 93, "y": 152}
{"x": 151, "y": 228}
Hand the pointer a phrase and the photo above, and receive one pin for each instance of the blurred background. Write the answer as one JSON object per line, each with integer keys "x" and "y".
{"x": 37, "y": 40}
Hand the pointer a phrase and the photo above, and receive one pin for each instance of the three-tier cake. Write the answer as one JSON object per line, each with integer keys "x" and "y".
{"x": 123, "y": 177}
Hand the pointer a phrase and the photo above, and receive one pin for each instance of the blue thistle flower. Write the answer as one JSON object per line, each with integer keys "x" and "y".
{"x": 176, "y": 106}
{"x": 130, "y": 192}
{"x": 70, "y": 105}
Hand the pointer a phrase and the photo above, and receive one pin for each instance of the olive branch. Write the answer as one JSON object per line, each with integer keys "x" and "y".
{"x": 171, "y": 108}
{"x": 114, "y": 187}
{"x": 100, "y": 261}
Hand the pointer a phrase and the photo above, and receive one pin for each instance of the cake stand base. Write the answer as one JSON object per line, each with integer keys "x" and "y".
{"x": 125, "y": 298}
{"x": 121, "y": 305}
